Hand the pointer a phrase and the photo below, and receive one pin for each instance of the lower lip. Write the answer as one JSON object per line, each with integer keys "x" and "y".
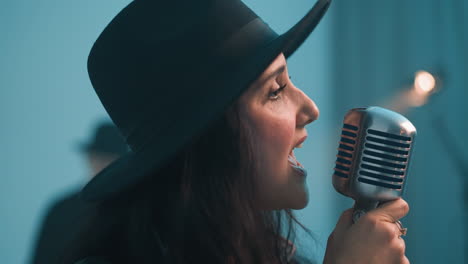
{"x": 297, "y": 168}
{"x": 300, "y": 170}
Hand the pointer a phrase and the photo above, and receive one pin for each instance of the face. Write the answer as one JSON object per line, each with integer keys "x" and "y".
{"x": 98, "y": 161}
{"x": 277, "y": 112}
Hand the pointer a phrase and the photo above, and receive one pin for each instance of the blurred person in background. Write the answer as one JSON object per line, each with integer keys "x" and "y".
{"x": 66, "y": 215}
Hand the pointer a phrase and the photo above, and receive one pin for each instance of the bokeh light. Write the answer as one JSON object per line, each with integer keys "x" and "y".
{"x": 424, "y": 82}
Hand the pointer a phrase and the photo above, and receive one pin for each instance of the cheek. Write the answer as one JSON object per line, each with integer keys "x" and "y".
{"x": 274, "y": 142}
{"x": 279, "y": 136}
{"x": 274, "y": 136}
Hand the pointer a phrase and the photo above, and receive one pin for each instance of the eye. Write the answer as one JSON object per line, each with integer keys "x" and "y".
{"x": 275, "y": 95}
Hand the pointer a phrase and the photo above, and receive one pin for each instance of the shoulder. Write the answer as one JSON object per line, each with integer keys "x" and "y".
{"x": 93, "y": 260}
{"x": 63, "y": 203}
{"x": 71, "y": 198}
{"x": 62, "y": 210}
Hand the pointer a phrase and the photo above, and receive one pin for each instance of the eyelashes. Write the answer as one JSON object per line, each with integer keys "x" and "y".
{"x": 275, "y": 95}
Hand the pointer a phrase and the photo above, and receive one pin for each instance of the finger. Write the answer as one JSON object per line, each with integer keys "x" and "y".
{"x": 345, "y": 221}
{"x": 398, "y": 251}
{"x": 405, "y": 260}
{"x": 392, "y": 211}
{"x": 400, "y": 246}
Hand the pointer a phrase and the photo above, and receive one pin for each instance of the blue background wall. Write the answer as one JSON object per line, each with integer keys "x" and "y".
{"x": 377, "y": 48}
{"x": 361, "y": 54}
{"x": 47, "y": 106}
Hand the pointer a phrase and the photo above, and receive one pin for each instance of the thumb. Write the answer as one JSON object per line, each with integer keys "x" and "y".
{"x": 345, "y": 221}
{"x": 391, "y": 211}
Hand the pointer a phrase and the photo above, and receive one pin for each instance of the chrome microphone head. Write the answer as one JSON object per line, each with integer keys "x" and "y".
{"x": 373, "y": 156}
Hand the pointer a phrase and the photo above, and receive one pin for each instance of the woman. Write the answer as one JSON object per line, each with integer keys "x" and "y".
{"x": 201, "y": 92}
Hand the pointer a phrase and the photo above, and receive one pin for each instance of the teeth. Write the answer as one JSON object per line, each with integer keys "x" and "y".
{"x": 292, "y": 160}
{"x": 296, "y": 165}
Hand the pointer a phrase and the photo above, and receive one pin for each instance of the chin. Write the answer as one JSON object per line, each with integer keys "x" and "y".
{"x": 300, "y": 205}
{"x": 297, "y": 202}
{"x": 300, "y": 201}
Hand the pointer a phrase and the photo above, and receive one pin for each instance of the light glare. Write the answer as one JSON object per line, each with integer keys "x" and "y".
{"x": 424, "y": 82}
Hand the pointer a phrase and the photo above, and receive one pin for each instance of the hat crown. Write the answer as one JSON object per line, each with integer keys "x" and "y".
{"x": 151, "y": 55}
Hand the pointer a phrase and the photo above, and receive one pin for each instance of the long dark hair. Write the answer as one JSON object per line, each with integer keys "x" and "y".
{"x": 200, "y": 208}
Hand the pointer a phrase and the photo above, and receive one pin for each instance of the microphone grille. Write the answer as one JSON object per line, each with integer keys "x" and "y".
{"x": 373, "y": 154}
{"x": 384, "y": 159}
{"x": 346, "y": 149}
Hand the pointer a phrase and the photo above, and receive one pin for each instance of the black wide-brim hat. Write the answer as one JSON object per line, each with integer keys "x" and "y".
{"x": 164, "y": 70}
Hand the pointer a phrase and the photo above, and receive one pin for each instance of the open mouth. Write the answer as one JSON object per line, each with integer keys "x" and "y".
{"x": 296, "y": 165}
{"x": 293, "y": 161}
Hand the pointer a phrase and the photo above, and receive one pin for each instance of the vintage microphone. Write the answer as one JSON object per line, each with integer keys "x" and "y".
{"x": 373, "y": 157}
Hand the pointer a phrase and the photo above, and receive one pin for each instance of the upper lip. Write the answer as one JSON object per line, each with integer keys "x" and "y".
{"x": 300, "y": 141}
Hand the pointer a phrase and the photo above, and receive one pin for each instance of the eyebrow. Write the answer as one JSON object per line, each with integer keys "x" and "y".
{"x": 276, "y": 72}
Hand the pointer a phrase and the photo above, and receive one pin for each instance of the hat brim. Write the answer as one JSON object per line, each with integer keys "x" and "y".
{"x": 85, "y": 148}
{"x": 134, "y": 166}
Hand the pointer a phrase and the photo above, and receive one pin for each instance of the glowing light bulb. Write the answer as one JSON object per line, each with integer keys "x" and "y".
{"x": 424, "y": 82}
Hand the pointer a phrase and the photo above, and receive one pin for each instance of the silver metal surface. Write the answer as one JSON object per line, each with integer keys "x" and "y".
{"x": 373, "y": 156}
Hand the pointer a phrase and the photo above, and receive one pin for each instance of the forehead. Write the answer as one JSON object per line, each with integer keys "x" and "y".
{"x": 276, "y": 67}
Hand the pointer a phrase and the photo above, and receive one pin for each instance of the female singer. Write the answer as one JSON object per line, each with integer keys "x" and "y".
{"x": 200, "y": 90}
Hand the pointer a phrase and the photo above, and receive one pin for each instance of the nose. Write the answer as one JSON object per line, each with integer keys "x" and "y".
{"x": 307, "y": 110}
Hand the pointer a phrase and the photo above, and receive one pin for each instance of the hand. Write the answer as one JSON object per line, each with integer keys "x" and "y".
{"x": 375, "y": 238}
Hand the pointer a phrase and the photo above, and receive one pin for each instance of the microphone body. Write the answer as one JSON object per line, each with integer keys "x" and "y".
{"x": 373, "y": 157}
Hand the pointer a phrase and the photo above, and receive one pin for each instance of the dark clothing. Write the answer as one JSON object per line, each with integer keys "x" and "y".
{"x": 60, "y": 225}
{"x": 94, "y": 260}
{"x": 293, "y": 258}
